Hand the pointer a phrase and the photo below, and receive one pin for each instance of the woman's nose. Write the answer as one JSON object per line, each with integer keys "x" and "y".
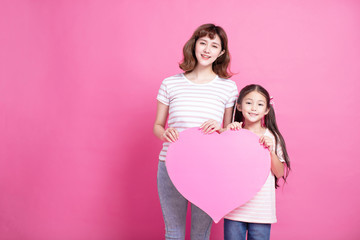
{"x": 206, "y": 49}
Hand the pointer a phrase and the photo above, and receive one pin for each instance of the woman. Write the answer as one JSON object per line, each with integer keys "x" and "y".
{"x": 202, "y": 97}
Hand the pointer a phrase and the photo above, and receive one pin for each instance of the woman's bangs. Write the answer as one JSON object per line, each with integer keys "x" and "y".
{"x": 211, "y": 33}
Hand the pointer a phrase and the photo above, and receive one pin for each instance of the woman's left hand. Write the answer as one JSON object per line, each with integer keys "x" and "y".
{"x": 267, "y": 142}
{"x": 210, "y": 126}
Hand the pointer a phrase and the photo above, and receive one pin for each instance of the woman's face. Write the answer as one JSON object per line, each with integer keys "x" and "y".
{"x": 207, "y": 50}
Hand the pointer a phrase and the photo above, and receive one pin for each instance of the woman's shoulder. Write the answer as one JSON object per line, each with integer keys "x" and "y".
{"x": 174, "y": 78}
{"x": 225, "y": 79}
{"x": 227, "y": 82}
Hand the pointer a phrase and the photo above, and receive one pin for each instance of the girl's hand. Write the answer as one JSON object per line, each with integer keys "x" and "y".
{"x": 234, "y": 126}
{"x": 267, "y": 142}
{"x": 171, "y": 135}
{"x": 210, "y": 126}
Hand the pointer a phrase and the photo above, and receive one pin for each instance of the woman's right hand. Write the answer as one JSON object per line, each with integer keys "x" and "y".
{"x": 234, "y": 126}
{"x": 171, "y": 135}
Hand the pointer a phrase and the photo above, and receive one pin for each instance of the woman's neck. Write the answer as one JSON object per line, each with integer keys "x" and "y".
{"x": 255, "y": 128}
{"x": 201, "y": 74}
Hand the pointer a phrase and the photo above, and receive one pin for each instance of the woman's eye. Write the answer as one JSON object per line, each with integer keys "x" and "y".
{"x": 214, "y": 46}
{"x": 202, "y": 43}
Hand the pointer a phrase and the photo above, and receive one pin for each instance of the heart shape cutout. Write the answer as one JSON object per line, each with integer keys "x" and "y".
{"x": 218, "y": 172}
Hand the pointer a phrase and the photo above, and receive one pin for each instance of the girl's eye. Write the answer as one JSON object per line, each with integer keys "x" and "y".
{"x": 214, "y": 46}
{"x": 247, "y": 102}
{"x": 202, "y": 43}
{"x": 261, "y": 104}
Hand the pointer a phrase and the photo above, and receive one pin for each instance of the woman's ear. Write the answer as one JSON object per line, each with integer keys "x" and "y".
{"x": 221, "y": 53}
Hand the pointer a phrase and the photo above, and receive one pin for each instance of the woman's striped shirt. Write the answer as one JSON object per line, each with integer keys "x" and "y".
{"x": 192, "y": 104}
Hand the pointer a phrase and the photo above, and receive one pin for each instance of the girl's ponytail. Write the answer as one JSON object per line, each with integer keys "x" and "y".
{"x": 270, "y": 123}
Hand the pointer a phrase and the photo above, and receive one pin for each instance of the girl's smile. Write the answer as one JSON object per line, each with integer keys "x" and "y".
{"x": 253, "y": 114}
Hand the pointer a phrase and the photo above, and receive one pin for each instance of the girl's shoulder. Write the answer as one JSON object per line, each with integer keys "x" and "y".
{"x": 269, "y": 133}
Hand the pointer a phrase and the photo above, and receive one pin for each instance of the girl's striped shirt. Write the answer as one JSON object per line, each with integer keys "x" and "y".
{"x": 261, "y": 208}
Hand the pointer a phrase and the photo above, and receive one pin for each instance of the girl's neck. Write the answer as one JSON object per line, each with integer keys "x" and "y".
{"x": 255, "y": 128}
{"x": 201, "y": 74}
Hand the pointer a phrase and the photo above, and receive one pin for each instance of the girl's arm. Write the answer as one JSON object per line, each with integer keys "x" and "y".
{"x": 168, "y": 135}
{"x": 277, "y": 167}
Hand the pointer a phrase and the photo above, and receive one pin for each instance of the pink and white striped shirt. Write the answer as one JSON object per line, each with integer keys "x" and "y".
{"x": 261, "y": 208}
{"x": 192, "y": 104}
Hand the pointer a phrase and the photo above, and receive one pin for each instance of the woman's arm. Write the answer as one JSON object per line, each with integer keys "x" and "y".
{"x": 227, "y": 118}
{"x": 168, "y": 135}
{"x": 211, "y": 126}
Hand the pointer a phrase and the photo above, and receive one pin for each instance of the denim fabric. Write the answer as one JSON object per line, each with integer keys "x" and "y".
{"x": 235, "y": 230}
{"x": 174, "y": 207}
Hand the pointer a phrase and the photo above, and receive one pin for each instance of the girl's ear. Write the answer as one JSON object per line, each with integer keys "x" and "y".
{"x": 238, "y": 107}
{"x": 267, "y": 111}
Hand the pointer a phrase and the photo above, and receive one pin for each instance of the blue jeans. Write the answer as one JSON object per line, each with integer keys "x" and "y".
{"x": 174, "y": 208}
{"x": 235, "y": 230}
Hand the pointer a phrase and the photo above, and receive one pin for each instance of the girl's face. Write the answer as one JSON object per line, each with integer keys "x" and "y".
{"x": 207, "y": 50}
{"x": 253, "y": 107}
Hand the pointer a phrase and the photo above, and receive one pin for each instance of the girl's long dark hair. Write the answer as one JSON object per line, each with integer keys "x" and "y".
{"x": 269, "y": 121}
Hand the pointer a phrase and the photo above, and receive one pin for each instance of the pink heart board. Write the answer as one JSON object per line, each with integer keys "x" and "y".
{"x": 218, "y": 172}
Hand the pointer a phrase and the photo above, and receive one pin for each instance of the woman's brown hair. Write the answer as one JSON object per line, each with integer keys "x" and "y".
{"x": 221, "y": 64}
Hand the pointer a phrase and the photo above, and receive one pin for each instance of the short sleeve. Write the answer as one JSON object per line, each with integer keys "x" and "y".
{"x": 232, "y": 96}
{"x": 163, "y": 95}
{"x": 279, "y": 152}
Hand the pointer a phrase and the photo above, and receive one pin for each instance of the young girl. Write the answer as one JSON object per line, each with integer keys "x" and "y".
{"x": 202, "y": 97}
{"x": 255, "y": 112}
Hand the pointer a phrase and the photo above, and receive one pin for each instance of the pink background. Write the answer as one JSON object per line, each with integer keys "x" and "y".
{"x": 78, "y": 82}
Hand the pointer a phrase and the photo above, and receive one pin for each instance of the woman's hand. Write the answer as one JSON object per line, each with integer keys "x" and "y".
{"x": 210, "y": 126}
{"x": 171, "y": 135}
{"x": 267, "y": 142}
{"x": 234, "y": 126}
